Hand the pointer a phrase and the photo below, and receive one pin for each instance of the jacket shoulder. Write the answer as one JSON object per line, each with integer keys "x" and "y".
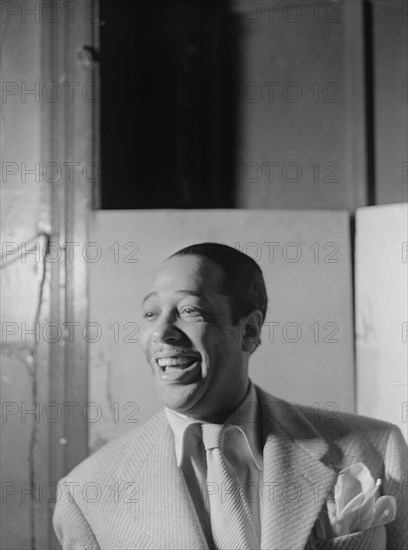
{"x": 133, "y": 446}
{"x": 329, "y": 417}
{"x": 331, "y": 424}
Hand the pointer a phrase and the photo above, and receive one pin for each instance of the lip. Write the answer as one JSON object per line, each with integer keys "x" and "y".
{"x": 178, "y": 374}
{"x": 174, "y": 355}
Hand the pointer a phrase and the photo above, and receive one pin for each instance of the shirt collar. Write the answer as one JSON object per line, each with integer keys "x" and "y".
{"x": 245, "y": 417}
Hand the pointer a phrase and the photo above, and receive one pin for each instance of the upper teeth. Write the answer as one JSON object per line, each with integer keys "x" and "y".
{"x": 168, "y": 361}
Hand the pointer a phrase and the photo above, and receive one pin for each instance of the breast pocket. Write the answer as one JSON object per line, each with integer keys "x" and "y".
{"x": 371, "y": 539}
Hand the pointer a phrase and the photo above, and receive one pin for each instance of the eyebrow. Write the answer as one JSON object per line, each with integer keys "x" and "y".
{"x": 150, "y": 295}
{"x": 184, "y": 292}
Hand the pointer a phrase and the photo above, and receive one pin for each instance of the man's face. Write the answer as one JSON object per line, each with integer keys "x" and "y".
{"x": 195, "y": 352}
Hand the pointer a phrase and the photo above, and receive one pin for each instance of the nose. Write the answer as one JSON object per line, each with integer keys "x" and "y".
{"x": 166, "y": 332}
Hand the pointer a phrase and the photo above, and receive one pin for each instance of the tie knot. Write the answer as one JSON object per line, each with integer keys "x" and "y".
{"x": 212, "y": 435}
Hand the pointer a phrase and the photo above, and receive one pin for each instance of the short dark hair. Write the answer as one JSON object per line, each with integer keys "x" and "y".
{"x": 243, "y": 283}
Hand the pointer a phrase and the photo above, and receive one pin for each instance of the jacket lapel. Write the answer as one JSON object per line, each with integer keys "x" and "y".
{"x": 164, "y": 513}
{"x": 296, "y": 481}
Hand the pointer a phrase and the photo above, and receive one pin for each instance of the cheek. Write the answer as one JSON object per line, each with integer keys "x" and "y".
{"x": 196, "y": 333}
{"x": 211, "y": 353}
{"x": 145, "y": 338}
{"x": 212, "y": 336}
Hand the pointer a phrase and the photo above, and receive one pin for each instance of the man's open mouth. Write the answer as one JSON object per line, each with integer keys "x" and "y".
{"x": 179, "y": 368}
{"x": 180, "y": 362}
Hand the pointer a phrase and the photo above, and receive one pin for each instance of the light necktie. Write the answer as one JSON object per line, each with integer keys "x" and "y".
{"x": 231, "y": 523}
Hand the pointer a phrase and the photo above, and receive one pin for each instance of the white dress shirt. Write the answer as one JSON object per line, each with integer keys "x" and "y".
{"x": 242, "y": 448}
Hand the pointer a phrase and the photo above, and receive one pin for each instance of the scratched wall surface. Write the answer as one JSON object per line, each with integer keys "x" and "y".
{"x": 24, "y": 216}
{"x": 381, "y": 313}
{"x": 307, "y": 344}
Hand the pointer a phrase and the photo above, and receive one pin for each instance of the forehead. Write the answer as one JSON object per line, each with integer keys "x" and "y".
{"x": 189, "y": 273}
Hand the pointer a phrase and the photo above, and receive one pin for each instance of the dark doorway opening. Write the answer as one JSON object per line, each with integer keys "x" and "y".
{"x": 169, "y": 93}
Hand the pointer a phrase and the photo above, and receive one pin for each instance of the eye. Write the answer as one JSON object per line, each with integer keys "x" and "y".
{"x": 148, "y": 315}
{"x": 192, "y": 312}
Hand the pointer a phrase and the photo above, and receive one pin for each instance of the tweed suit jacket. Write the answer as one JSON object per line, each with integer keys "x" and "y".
{"x": 131, "y": 495}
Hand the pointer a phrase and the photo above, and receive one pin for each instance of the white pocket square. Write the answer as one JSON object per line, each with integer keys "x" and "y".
{"x": 355, "y": 506}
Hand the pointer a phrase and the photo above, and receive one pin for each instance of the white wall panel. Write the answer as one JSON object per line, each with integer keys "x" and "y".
{"x": 381, "y": 313}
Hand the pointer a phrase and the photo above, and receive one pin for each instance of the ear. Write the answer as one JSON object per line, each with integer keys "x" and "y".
{"x": 251, "y": 330}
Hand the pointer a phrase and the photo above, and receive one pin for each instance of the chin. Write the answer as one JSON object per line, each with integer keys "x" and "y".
{"x": 179, "y": 398}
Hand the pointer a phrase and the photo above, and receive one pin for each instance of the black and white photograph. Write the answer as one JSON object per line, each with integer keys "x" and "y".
{"x": 204, "y": 283}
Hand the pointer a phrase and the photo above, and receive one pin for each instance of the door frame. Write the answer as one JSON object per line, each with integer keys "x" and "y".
{"x": 70, "y": 42}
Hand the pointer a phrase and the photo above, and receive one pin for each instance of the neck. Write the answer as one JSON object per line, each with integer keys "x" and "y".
{"x": 209, "y": 412}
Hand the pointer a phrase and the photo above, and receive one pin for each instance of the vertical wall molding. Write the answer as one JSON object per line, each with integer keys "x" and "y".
{"x": 69, "y": 141}
{"x": 358, "y": 93}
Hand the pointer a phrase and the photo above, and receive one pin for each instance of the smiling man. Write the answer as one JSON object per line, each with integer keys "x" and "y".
{"x": 226, "y": 465}
{"x": 196, "y": 337}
